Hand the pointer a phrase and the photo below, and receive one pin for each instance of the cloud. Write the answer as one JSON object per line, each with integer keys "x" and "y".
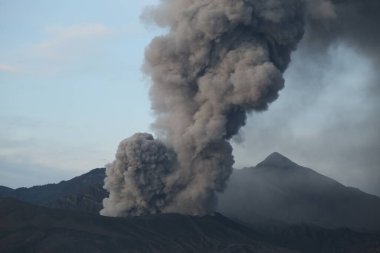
{"x": 62, "y": 35}
{"x": 64, "y": 41}
{"x": 24, "y": 163}
{"x": 8, "y": 68}
{"x": 35, "y": 145}
{"x": 24, "y": 173}
{"x": 80, "y": 31}
{"x": 51, "y": 154}
{"x": 62, "y": 49}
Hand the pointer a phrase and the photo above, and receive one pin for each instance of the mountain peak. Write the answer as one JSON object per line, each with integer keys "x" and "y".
{"x": 277, "y": 160}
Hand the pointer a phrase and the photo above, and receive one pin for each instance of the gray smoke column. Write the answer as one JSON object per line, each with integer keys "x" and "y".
{"x": 220, "y": 60}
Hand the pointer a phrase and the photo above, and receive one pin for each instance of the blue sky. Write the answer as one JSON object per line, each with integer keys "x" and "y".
{"x": 72, "y": 89}
{"x": 71, "y": 85}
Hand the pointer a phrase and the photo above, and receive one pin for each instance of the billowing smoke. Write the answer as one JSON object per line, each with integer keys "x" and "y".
{"x": 220, "y": 60}
{"x": 136, "y": 179}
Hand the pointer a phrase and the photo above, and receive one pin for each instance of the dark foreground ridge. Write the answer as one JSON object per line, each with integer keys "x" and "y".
{"x": 25, "y": 228}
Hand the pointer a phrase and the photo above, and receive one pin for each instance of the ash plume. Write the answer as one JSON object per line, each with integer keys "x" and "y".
{"x": 220, "y": 60}
{"x": 136, "y": 178}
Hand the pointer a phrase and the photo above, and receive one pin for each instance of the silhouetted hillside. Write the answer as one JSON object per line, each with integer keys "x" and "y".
{"x": 83, "y": 193}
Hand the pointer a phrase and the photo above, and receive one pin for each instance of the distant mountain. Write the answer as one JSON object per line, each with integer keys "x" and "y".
{"x": 279, "y": 190}
{"x": 5, "y": 190}
{"x": 25, "y": 228}
{"x": 83, "y": 193}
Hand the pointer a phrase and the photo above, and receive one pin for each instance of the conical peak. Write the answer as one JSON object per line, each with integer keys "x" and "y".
{"x": 277, "y": 160}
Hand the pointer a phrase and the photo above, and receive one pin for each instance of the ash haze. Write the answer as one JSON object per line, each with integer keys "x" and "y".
{"x": 71, "y": 89}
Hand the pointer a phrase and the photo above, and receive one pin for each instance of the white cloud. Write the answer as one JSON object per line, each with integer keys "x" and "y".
{"x": 8, "y": 68}
{"x": 57, "y": 156}
{"x": 64, "y": 41}
{"x": 80, "y": 31}
{"x": 70, "y": 48}
{"x": 62, "y": 35}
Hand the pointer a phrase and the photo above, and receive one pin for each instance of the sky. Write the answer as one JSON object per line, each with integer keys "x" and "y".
{"x": 72, "y": 88}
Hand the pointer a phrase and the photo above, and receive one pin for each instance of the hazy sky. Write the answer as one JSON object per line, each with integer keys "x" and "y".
{"x": 72, "y": 89}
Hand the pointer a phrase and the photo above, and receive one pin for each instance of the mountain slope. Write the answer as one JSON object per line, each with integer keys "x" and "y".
{"x": 83, "y": 193}
{"x": 279, "y": 189}
{"x": 5, "y": 190}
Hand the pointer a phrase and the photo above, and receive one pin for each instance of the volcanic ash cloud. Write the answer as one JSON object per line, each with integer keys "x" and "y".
{"x": 220, "y": 60}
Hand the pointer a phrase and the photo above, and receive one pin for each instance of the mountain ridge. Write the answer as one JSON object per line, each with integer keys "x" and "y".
{"x": 276, "y": 159}
{"x": 83, "y": 192}
{"x": 276, "y": 191}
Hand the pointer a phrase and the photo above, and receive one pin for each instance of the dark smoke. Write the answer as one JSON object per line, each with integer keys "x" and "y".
{"x": 356, "y": 23}
{"x": 220, "y": 60}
